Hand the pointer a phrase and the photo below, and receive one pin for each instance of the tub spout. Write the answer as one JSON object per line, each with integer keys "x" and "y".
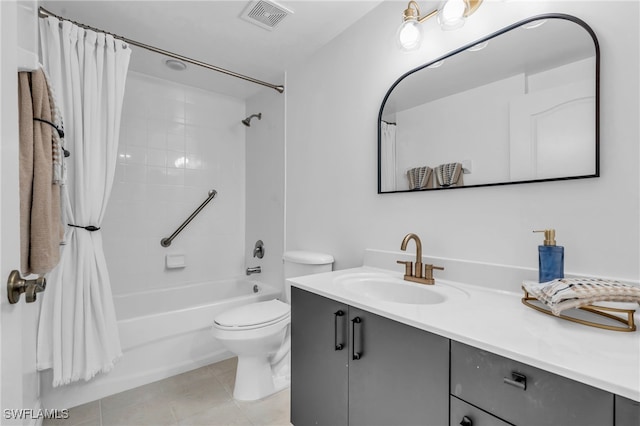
{"x": 254, "y": 270}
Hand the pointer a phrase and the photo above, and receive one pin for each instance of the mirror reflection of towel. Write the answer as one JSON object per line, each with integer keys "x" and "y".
{"x": 449, "y": 174}
{"x": 420, "y": 177}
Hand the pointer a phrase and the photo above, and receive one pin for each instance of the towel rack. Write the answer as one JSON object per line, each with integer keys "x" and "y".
{"x": 166, "y": 242}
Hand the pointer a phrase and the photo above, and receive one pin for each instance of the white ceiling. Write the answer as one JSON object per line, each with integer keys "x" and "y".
{"x": 213, "y": 32}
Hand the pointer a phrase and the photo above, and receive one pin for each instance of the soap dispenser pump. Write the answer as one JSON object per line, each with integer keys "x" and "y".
{"x": 550, "y": 258}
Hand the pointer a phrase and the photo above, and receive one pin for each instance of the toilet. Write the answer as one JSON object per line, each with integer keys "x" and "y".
{"x": 258, "y": 333}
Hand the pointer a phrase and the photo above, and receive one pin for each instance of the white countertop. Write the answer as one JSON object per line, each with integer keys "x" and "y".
{"x": 497, "y": 321}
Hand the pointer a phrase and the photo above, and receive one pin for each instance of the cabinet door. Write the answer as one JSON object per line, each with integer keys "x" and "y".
{"x": 319, "y": 374}
{"x": 627, "y": 412}
{"x": 400, "y": 376}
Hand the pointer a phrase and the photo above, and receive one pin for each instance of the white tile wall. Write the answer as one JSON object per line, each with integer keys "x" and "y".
{"x": 176, "y": 143}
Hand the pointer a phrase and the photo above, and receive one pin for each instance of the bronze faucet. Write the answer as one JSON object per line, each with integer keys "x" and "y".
{"x": 415, "y": 274}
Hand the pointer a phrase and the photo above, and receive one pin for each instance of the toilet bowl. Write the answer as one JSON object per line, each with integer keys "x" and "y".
{"x": 258, "y": 333}
{"x": 254, "y": 332}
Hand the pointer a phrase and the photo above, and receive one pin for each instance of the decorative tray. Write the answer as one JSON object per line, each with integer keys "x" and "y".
{"x": 608, "y": 317}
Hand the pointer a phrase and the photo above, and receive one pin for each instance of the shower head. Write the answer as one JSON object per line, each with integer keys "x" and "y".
{"x": 247, "y": 121}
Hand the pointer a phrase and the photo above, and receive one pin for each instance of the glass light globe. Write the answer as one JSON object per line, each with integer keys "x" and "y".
{"x": 409, "y": 35}
{"x": 451, "y": 16}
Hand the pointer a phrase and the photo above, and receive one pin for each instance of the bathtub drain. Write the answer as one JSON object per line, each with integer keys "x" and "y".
{"x": 256, "y": 288}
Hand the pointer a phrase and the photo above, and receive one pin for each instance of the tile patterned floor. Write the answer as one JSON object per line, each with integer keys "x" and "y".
{"x": 198, "y": 397}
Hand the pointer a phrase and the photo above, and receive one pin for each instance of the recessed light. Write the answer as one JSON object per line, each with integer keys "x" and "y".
{"x": 175, "y": 64}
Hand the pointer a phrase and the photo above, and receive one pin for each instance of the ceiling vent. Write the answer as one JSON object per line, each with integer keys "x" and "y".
{"x": 265, "y": 14}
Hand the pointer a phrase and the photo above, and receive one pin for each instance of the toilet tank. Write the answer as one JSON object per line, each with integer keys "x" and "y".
{"x": 299, "y": 262}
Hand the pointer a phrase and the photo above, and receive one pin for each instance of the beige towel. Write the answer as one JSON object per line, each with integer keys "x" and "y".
{"x": 40, "y": 226}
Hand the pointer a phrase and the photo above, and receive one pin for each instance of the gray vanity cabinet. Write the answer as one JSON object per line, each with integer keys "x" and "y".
{"x": 399, "y": 374}
{"x": 524, "y": 395}
{"x": 359, "y": 368}
{"x": 627, "y": 412}
{"x": 319, "y": 372}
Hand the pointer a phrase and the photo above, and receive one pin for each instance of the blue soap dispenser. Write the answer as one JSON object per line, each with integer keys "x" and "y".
{"x": 550, "y": 258}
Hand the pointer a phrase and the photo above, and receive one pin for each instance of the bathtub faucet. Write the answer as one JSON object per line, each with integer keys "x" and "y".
{"x": 254, "y": 270}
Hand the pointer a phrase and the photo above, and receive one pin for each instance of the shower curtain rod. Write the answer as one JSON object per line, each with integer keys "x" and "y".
{"x": 45, "y": 13}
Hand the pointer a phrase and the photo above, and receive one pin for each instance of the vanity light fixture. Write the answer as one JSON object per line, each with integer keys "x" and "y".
{"x": 451, "y": 15}
{"x": 410, "y": 32}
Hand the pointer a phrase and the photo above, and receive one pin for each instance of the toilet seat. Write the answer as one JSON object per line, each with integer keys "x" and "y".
{"x": 253, "y": 315}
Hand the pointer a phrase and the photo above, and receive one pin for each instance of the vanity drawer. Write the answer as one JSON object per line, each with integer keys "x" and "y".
{"x": 525, "y": 395}
{"x": 465, "y": 414}
{"x": 627, "y": 412}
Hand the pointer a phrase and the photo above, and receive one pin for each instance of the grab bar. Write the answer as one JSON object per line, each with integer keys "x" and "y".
{"x": 166, "y": 242}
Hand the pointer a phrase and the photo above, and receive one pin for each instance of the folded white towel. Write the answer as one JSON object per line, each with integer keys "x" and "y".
{"x": 567, "y": 293}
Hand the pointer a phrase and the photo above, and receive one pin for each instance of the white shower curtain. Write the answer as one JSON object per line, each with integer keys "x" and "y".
{"x": 77, "y": 332}
{"x": 388, "y": 156}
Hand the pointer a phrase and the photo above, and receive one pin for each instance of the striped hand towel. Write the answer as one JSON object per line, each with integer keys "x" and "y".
{"x": 419, "y": 177}
{"x": 567, "y": 293}
{"x": 449, "y": 174}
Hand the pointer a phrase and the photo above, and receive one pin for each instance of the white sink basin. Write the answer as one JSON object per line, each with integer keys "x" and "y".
{"x": 387, "y": 288}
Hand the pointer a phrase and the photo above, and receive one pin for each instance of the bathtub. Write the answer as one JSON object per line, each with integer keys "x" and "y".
{"x": 163, "y": 332}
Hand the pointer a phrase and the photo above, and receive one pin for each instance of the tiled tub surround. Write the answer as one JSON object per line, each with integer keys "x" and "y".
{"x": 493, "y": 318}
{"x": 176, "y": 144}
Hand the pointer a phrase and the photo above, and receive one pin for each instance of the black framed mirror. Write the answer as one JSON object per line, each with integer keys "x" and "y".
{"x": 518, "y": 106}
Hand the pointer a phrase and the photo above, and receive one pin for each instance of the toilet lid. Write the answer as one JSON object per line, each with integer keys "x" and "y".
{"x": 253, "y": 314}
